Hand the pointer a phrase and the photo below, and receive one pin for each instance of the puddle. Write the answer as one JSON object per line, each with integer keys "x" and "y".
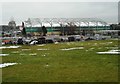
{"x": 75, "y": 48}
{"x": 7, "y": 64}
{"x": 4, "y": 54}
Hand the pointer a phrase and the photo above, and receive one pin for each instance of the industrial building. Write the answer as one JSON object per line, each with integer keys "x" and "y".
{"x": 66, "y": 26}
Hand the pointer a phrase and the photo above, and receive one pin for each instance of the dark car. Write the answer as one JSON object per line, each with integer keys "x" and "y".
{"x": 71, "y": 38}
{"x": 41, "y": 40}
{"x": 20, "y": 41}
{"x": 49, "y": 40}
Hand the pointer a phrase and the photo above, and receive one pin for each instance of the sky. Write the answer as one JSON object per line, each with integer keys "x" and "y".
{"x": 21, "y": 11}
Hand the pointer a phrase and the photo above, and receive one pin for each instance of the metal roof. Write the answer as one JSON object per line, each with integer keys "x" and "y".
{"x": 64, "y": 21}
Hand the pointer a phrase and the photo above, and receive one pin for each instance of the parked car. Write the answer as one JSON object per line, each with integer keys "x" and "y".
{"x": 27, "y": 41}
{"x": 71, "y": 38}
{"x": 41, "y": 40}
{"x": 33, "y": 42}
{"x": 64, "y": 39}
{"x": 20, "y": 41}
{"x": 49, "y": 40}
{"x": 77, "y": 37}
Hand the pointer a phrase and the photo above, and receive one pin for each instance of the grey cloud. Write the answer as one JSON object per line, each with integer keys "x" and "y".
{"x": 107, "y": 11}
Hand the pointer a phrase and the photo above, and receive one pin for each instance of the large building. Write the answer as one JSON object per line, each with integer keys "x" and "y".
{"x": 66, "y": 25}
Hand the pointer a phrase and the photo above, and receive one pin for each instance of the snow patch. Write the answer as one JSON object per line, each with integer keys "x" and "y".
{"x": 68, "y": 43}
{"x": 22, "y": 54}
{"x": 111, "y": 47}
{"x": 47, "y": 65}
{"x": 95, "y": 44}
{"x": 99, "y": 48}
{"x": 75, "y": 48}
{"x": 42, "y": 49}
{"x": 4, "y": 47}
{"x": 41, "y": 45}
{"x": 44, "y": 55}
{"x": 26, "y": 49}
{"x": 33, "y": 54}
{"x": 56, "y": 42}
{"x": 110, "y": 52}
{"x": 109, "y": 42}
{"x": 4, "y": 54}
{"x": 15, "y": 52}
{"x": 7, "y": 64}
{"x": 92, "y": 48}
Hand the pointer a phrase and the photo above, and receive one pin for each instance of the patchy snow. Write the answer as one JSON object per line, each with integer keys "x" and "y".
{"x": 75, "y": 48}
{"x": 115, "y": 50}
{"x": 95, "y": 44}
{"x": 110, "y": 52}
{"x": 47, "y": 65}
{"x": 44, "y": 55}
{"x": 102, "y": 43}
{"x": 111, "y": 47}
{"x": 68, "y": 43}
{"x": 26, "y": 49}
{"x": 42, "y": 49}
{"x": 92, "y": 48}
{"x": 56, "y": 42}
{"x": 7, "y": 64}
{"x": 4, "y": 47}
{"x": 4, "y": 54}
{"x": 47, "y": 53}
{"x": 109, "y": 42}
{"x": 106, "y": 43}
{"x": 41, "y": 45}
{"x": 23, "y": 54}
{"x": 15, "y": 52}
{"x": 99, "y": 48}
{"x": 33, "y": 54}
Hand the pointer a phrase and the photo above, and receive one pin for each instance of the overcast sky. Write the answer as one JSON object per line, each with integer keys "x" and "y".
{"x": 108, "y": 11}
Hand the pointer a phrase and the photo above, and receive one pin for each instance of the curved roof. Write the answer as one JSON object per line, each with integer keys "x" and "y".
{"x": 53, "y": 22}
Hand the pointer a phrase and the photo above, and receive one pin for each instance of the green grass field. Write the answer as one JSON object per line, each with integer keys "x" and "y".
{"x": 55, "y": 65}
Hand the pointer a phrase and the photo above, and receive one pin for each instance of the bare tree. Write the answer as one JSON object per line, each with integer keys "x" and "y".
{"x": 44, "y": 30}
